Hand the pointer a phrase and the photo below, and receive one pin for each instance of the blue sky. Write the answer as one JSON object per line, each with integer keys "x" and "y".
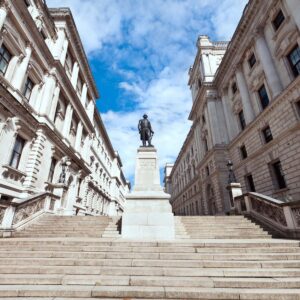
{"x": 140, "y": 52}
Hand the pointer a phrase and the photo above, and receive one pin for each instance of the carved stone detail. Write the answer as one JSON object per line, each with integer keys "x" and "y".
{"x": 2, "y": 212}
{"x": 296, "y": 215}
{"x": 25, "y": 211}
{"x": 269, "y": 211}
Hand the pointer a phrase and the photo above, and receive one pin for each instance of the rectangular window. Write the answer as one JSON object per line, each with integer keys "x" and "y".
{"x": 267, "y": 134}
{"x": 242, "y": 120}
{"x": 250, "y": 183}
{"x": 52, "y": 168}
{"x": 207, "y": 170}
{"x": 17, "y": 152}
{"x": 68, "y": 65}
{"x": 252, "y": 61}
{"x": 205, "y": 144}
{"x": 277, "y": 21}
{"x": 263, "y": 96}
{"x": 294, "y": 60}
{"x": 5, "y": 57}
{"x": 234, "y": 88}
{"x": 298, "y": 107}
{"x": 278, "y": 175}
{"x": 28, "y": 88}
{"x": 79, "y": 85}
{"x": 244, "y": 153}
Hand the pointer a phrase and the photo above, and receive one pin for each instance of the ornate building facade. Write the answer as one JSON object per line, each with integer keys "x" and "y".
{"x": 246, "y": 108}
{"x": 52, "y": 138}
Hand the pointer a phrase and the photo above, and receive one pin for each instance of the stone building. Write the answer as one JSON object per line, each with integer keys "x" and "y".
{"x": 52, "y": 139}
{"x": 246, "y": 108}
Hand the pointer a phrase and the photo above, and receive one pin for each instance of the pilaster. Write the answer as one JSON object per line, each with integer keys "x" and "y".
{"x": 246, "y": 99}
{"x": 68, "y": 119}
{"x": 75, "y": 73}
{"x": 268, "y": 65}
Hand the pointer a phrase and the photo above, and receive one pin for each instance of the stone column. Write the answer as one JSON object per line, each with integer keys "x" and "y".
{"x": 54, "y": 102}
{"x": 59, "y": 43}
{"x": 90, "y": 110}
{"x": 21, "y": 69}
{"x": 294, "y": 9}
{"x": 3, "y": 15}
{"x": 213, "y": 121}
{"x": 68, "y": 120}
{"x": 246, "y": 100}
{"x": 229, "y": 117}
{"x": 75, "y": 73}
{"x": 268, "y": 65}
{"x": 64, "y": 52}
{"x": 47, "y": 94}
{"x": 78, "y": 136}
{"x": 83, "y": 94}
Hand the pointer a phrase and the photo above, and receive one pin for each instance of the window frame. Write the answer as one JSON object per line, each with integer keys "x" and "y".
{"x": 243, "y": 151}
{"x": 27, "y": 87}
{"x": 16, "y": 153}
{"x": 278, "y": 20}
{"x": 52, "y": 169}
{"x": 263, "y": 97}
{"x": 267, "y": 137}
{"x": 293, "y": 66}
{"x": 242, "y": 120}
{"x": 250, "y": 185}
{"x": 4, "y": 52}
{"x": 278, "y": 175}
{"x": 252, "y": 60}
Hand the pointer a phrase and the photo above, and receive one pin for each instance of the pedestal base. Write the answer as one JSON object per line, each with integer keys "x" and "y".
{"x": 148, "y": 218}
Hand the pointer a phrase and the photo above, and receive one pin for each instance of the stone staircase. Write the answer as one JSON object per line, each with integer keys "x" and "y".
{"x": 217, "y": 227}
{"x": 86, "y": 267}
{"x": 71, "y": 226}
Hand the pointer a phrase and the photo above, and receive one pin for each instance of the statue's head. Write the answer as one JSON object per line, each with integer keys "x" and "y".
{"x": 145, "y": 116}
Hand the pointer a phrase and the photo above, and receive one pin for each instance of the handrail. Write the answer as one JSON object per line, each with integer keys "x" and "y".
{"x": 17, "y": 212}
{"x": 283, "y": 217}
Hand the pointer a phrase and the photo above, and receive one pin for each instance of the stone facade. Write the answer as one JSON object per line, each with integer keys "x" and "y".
{"x": 48, "y": 120}
{"x": 246, "y": 108}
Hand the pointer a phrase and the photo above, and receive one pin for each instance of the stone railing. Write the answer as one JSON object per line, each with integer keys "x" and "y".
{"x": 16, "y": 213}
{"x": 282, "y": 217}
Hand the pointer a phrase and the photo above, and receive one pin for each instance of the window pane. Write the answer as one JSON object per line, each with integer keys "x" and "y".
{"x": 294, "y": 59}
{"x": 250, "y": 183}
{"x": 278, "y": 20}
{"x": 267, "y": 134}
{"x": 5, "y": 57}
{"x": 16, "y": 153}
{"x": 242, "y": 120}
{"x": 279, "y": 175}
{"x": 264, "y": 98}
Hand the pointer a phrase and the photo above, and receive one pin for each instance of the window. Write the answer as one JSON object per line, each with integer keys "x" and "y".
{"x": 267, "y": 134}
{"x": 294, "y": 60}
{"x": 17, "y": 151}
{"x": 27, "y": 3}
{"x": 28, "y": 88}
{"x": 263, "y": 96}
{"x": 203, "y": 119}
{"x": 298, "y": 107}
{"x": 205, "y": 144}
{"x": 244, "y": 153}
{"x": 234, "y": 88}
{"x": 278, "y": 20}
{"x": 242, "y": 119}
{"x": 207, "y": 170}
{"x": 52, "y": 168}
{"x": 5, "y": 57}
{"x": 278, "y": 175}
{"x": 250, "y": 183}
{"x": 68, "y": 64}
{"x": 252, "y": 61}
{"x": 79, "y": 85}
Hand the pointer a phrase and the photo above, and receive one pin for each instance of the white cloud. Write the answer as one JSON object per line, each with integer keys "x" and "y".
{"x": 156, "y": 40}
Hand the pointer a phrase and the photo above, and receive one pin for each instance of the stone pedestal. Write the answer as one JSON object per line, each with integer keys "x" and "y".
{"x": 148, "y": 213}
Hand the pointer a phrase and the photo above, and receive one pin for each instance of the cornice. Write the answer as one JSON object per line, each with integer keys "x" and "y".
{"x": 66, "y": 15}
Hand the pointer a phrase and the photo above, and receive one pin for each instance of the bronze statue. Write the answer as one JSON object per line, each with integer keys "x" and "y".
{"x": 145, "y": 131}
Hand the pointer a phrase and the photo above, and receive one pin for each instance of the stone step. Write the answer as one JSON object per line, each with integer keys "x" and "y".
{"x": 221, "y": 264}
{"x": 154, "y": 281}
{"x": 163, "y": 256}
{"x": 78, "y": 292}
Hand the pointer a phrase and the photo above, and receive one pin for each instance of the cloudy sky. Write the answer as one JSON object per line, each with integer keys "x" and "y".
{"x": 140, "y": 52}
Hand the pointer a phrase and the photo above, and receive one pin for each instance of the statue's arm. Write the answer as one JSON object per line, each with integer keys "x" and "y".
{"x": 139, "y": 126}
{"x": 150, "y": 127}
